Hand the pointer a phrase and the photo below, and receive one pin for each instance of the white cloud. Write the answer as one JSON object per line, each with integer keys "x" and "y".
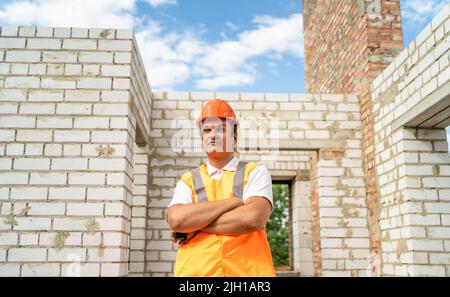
{"x": 273, "y": 68}
{"x": 168, "y": 57}
{"x": 229, "y": 79}
{"x": 272, "y": 38}
{"x": 231, "y": 26}
{"x": 156, "y": 3}
{"x": 417, "y": 12}
{"x": 172, "y": 57}
{"x": 70, "y": 13}
{"x": 277, "y": 35}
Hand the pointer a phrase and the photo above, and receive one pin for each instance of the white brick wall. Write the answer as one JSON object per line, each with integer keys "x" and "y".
{"x": 94, "y": 83}
{"x": 46, "y": 209}
{"x": 23, "y": 56}
{"x": 41, "y": 270}
{"x": 409, "y": 160}
{"x": 51, "y": 105}
{"x": 27, "y": 255}
{"x": 32, "y": 223}
{"x": 95, "y": 57}
{"x": 86, "y": 178}
{"x": 8, "y": 239}
{"x": 46, "y": 95}
{"x": 105, "y": 193}
{"x": 85, "y": 209}
{"x": 72, "y": 103}
{"x": 115, "y": 45}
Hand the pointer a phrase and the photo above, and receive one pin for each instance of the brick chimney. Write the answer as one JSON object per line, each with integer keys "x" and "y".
{"x": 347, "y": 44}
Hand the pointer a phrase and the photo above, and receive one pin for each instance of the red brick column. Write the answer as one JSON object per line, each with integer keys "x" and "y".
{"x": 315, "y": 220}
{"x": 347, "y": 44}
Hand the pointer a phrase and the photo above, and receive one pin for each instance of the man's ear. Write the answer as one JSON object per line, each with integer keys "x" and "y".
{"x": 235, "y": 140}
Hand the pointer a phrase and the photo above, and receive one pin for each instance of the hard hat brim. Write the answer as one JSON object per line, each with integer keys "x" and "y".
{"x": 200, "y": 121}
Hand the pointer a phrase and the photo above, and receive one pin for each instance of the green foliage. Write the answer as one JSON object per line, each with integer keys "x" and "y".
{"x": 277, "y": 227}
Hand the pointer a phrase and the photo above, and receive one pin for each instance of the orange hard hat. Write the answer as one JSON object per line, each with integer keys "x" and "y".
{"x": 217, "y": 108}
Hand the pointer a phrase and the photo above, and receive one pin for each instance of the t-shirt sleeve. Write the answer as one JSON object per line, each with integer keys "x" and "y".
{"x": 181, "y": 195}
{"x": 259, "y": 184}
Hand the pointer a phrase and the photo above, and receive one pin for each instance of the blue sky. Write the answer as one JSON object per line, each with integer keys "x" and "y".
{"x": 205, "y": 45}
{"x": 222, "y": 45}
{"x": 219, "y": 23}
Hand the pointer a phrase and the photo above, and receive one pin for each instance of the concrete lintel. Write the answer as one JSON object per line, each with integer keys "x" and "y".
{"x": 305, "y": 145}
{"x": 425, "y": 109}
{"x": 303, "y": 175}
{"x": 283, "y": 175}
{"x": 290, "y": 175}
{"x": 142, "y": 138}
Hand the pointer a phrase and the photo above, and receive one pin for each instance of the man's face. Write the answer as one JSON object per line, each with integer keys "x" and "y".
{"x": 217, "y": 136}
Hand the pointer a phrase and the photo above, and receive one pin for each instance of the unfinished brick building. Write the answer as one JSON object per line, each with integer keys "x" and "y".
{"x": 90, "y": 155}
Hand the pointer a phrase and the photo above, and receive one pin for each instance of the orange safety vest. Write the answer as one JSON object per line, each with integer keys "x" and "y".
{"x": 222, "y": 255}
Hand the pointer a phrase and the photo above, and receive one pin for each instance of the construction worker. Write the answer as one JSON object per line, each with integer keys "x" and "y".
{"x": 219, "y": 210}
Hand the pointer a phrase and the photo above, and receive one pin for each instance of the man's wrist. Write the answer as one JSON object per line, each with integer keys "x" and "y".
{"x": 209, "y": 228}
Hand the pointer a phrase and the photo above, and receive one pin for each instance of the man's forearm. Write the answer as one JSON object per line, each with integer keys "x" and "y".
{"x": 192, "y": 217}
{"x": 250, "y": 217}
{"x": 234, "y": 222}
{"x": 230, "y": 223}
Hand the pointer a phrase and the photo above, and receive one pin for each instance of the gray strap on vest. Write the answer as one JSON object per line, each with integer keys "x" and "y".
{"x": 198, "y": 185}
{"x": 238, "y": 180}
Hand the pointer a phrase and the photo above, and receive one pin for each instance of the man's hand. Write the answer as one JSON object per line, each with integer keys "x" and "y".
{"x": 188, "y": 218}
{"x": 180, "y": 238}
{"x": 252, "y": 216}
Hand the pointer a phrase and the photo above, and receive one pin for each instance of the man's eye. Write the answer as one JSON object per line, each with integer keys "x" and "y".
{"x": 207, "y": 130}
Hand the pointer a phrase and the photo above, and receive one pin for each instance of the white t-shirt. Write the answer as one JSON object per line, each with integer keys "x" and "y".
{"x": 259, "y": 183}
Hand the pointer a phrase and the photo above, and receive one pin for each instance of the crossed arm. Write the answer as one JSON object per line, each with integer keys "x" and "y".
{"x": 224, "y": 217}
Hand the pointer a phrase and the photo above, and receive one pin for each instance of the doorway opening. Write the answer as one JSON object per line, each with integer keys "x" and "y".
{"x": 279, "y": 227}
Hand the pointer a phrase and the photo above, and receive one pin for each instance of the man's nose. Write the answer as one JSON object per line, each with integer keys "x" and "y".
{"x": 212, "y": 135}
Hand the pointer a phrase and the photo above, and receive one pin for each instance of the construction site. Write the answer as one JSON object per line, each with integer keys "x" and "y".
{"x": 90, "y": 155}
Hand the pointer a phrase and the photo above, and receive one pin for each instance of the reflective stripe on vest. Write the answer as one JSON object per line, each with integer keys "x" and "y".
{"x": 198, "y": 185}
{"x": 238, "y": 182}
